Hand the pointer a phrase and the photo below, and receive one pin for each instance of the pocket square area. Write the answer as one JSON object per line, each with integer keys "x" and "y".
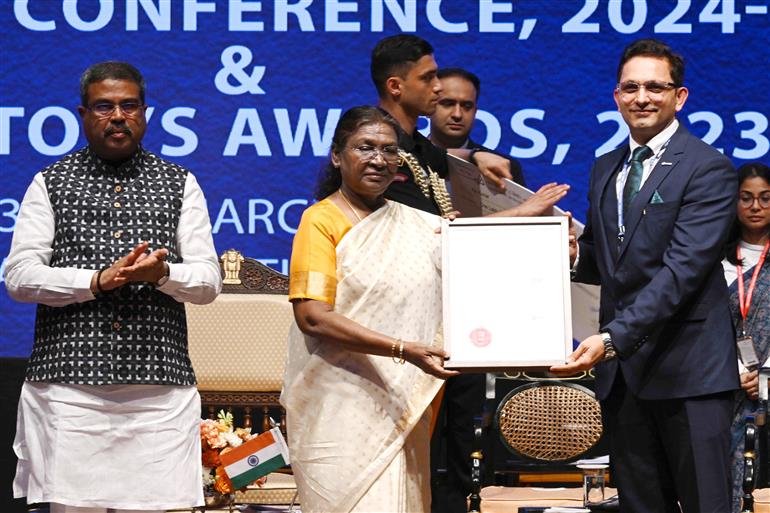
{"x": 656, "y": 198}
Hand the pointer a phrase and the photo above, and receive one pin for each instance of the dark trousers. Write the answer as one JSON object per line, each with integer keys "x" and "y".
{"x": 668, "y": 451}
{"x": 452, "y": 442}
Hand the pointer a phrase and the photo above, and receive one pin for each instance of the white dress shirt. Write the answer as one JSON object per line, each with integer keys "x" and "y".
{"x": 30, "y": 279}
{"x": 658, "y": 145}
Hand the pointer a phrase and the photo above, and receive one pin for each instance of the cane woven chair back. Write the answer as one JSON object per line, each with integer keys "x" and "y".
{"x": 549, "y": 422}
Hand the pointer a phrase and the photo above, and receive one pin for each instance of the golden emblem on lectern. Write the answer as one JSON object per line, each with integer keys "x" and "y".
{"x": 231, "y": 263}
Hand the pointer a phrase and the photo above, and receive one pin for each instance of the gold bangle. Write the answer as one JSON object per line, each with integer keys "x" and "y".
{"x": 400, "y": 360}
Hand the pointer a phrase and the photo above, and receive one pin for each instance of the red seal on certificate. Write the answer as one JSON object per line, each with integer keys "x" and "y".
{"x": 481, "y": 337}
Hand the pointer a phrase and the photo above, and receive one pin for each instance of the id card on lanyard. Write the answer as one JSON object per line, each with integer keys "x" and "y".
{"x": 744, "y": 341}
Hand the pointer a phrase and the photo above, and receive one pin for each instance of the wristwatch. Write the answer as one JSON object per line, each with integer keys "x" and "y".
{"x": 609, "y": 349}
{"x": 163, "y": 279}
{"x": 472, "y": 154}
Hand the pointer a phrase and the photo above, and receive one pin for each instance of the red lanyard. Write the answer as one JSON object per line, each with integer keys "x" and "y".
{"x": 744, "y": 306}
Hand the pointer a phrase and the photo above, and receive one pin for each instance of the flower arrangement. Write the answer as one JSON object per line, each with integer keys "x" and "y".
{"x": 218, "y": 437}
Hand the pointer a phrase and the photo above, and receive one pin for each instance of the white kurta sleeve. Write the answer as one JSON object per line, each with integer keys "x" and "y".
{"x": 28, "y": 276}
{"x": 197, "y": 279}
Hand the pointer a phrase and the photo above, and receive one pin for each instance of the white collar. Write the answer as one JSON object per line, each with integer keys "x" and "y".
{"x": 751, "y": 247}
{"x": 657, "y": 143}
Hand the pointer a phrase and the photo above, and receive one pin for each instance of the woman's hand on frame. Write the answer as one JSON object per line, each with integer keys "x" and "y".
{"x": 429, "y": 359}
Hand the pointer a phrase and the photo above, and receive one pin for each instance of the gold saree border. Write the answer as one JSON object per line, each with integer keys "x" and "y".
{"x": 312, "y": 285}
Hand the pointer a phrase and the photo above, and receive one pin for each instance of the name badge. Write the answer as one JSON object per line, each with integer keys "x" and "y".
{"x": 747, "y": 352}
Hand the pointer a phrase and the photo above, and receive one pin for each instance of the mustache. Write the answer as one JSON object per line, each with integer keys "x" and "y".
{"x": 120, "y": 129}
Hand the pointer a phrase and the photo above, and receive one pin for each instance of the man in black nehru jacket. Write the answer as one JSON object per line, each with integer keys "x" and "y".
{"x": 110, "y": 242}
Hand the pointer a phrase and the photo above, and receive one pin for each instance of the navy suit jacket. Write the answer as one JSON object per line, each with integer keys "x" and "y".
{"x": 664, "y": 298}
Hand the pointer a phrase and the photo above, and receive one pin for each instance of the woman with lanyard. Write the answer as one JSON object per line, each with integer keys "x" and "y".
{"x": 747, "y": 272}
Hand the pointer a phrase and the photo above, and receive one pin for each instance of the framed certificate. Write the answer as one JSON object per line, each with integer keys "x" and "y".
{"x": 506, "y": 292}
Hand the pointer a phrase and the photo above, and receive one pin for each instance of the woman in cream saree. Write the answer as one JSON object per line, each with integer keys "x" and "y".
{"x": 365, "y": 353}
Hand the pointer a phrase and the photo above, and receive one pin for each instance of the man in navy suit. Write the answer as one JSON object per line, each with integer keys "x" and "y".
{"x": 660, "y": 211}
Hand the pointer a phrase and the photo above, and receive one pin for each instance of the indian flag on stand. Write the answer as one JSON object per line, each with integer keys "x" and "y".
{"x": 256, "y": 458}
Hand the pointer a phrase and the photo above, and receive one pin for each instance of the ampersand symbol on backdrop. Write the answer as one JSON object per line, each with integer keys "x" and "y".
{"x": 235, "y": 59}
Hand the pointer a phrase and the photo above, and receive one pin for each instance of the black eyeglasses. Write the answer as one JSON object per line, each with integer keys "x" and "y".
{"x": 368, "y": 153}
{"x": 653, "y": 88}
{"x": 103, "y": 109}
{"x": 746, "y": 200}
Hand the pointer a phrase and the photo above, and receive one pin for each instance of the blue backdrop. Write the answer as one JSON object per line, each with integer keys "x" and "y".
{"x": 247, "y": 93}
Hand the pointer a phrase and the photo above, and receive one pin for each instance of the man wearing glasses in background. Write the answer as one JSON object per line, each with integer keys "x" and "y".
{"x": 110, "y": 242}
{"x": 660, "y": 211}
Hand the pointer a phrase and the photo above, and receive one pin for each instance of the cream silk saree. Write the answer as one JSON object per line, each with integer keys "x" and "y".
{"x": 357, "y": 423}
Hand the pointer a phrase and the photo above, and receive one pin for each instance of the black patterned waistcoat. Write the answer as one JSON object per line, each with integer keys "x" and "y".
{"x": 132, "y": 334}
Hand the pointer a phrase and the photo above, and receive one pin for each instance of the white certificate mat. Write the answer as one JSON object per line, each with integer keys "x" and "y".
{"x": 506, "y": 292}
{"x": 472, "y": 197}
